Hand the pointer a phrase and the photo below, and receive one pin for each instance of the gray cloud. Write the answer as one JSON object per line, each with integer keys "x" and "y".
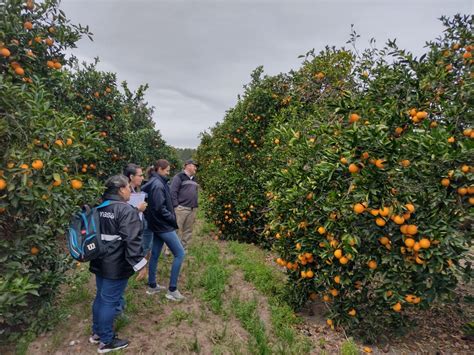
{"x": 197, "y": 55}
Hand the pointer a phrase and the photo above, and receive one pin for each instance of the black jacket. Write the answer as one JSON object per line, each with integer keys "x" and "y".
{"x": 184, "y": 191}
{"x": 159, "y": 212}
{"x": 121, "y": 233}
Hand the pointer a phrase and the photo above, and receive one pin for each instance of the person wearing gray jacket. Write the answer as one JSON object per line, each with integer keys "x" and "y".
{"x": 184, "y": 195}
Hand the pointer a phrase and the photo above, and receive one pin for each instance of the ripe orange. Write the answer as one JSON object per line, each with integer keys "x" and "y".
{"x": 49, "y": 41}
{"x": 343, "y": 160}
{"x": 24, "y": 166}
{"x": 389, "y": 293}
{"x": 50, "y": 64}
{"x": 405, "y": 163}
{"x": 334, "y": 292}
{"x": 76, "y": 184}
{"x": 313, "y": 296}
{"x": 424, "y": 243}
{"x": 384, "y": 240}
{"x": 34, "y": 250}
{"x": 384, "y": 211}
{"x": 5, "y": 52}
{"x": 321, "y": 230}
{"x": 467, "y": 55}
{"x": 398, "y": 219}
{"x": 416, "y": 247}
{"x": 380, "y": 222}
{"x": 445, "y": 182}
{"x": 372, "y": 264}
{"x": 397, "y": 307}
{"x": 412, "y": 229}
{"x": 365, "y": 156}
{"x": 421, "y": 115}
{"x": 412, "y": 112}
{"x": 57, "y": 182}
{"x": 374, "y": 212}
{"x": 338, "y": 253}
{"x": 359, "y": 208}
{"x": 337, "y": 279}
{"x": 354, "y": 117}
{"x": 59, "y": 142}
{"x": 309, "y": 274}
{"x": 465, "y": 168}
{"x": 3, "y": 184}
{"x": 352, "y": 312}
{"x": 451, "y": 140}
{"x": 329, "y": 322}
{"x": 57, "y": 65}
{"x": 19, "y": 71}
{"x": 303, "y": 274}
{"x": 379, "y": 163}
{"x": 471, "y": 200}
{"x": 343, "y": 260}
{"x": 28, "y": 25}
{"x": 37, "y": 164}
{"x": 398, "y": 131}
{"x": 409, "y": 242}
{"x": 410, "y": 207}
{"x": 353, "y": 168}
{"x": 467, "y": 132}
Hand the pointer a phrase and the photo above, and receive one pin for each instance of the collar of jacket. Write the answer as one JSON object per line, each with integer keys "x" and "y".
{"x": 113, "y": 197}
{"x": 164, "y": 179}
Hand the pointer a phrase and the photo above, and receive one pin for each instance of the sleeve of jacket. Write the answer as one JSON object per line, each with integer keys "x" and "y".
{"x": 130, "y": 229}
{"x": 175, "y": 186}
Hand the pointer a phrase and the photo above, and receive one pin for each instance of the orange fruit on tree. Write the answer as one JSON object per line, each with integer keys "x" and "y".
{"x": 354, "y": 117}
{"x": 49, "y": 41}
{"x": 359, "y": 208}
{"x": 470, "y": 190}
{"x": 410, "y": 207}
{"x": 57, "y": 182}
{"x": 465, "y": 168}
{"x": 372, "y": 264}
{"x": 57, "y": 65}
{"x": 20, "y": 71}
{"x": 28, "y": 25}
{"x": 309, "y": 274}
{"x": 397, "y": 307}
{"x": 313, "y": 296}
{"x": 379, "y": 163}
{"x": 380, "y": 222}
{"x": 384, "y": 211}
{"x": 451, "y": 140}
{"x": 50, "y": 64}
{"x": 467, "y": 132}
{"x": 421, "y": 115}
{"x": 343, "y": 260}
{"x": 326, "y": 298}
{"x": 329, "y": 322}
{"x": 338, "y": 253}
{"x": 34, "y": 250}
{"x": 337, "y": 279}
{"x": 409, "y": 242}
{"x": 343, "y": 160}
{"x": 384, "y": 240}
{"x": 37, "y": 164}
{"x": 398, "y": 219}
{"x": 389, "y": 293}
{"x": 5, "y": 52}
{"x": 471, "y": 200}
{"x": 424, "y": 243}
{"x": 59, "y": 142}
{"x": 334, "y": 292}
{"x": 76, "y": 184}
{"x": 405, "y": 163}
{"x": 467, "y": 55}
{"x": 374, "y": 212}
{"x": 412, "y": 229}
{"x": 303, "y": 274}
{"x": 3, "y": 184}
{"x": 462, "y": 191}
{"x": 24, "y": 166}
{"x": 352, "y": 312}
{"x": 416, "y": 247}
{"x": 321, "y": 230}
{"x": 445, "y": 182}
{"x": 353, "y": 168}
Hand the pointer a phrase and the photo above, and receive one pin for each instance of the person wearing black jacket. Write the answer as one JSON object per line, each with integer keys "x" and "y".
{"x": 162, "y": 221}
{"x": 120, "y": 228}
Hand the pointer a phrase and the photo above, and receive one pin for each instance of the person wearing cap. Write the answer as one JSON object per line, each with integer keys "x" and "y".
{"x": 184, "y": 194}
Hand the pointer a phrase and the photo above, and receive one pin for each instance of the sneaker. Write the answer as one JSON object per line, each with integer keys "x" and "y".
{"x": 174, "y": 296}
{"x": 94, "y": 339}
{"x": 153, "y": 290}
{"x": 115, "y": 344}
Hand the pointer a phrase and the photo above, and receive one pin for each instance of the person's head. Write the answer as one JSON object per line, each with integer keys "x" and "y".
{"x": 118, "y": 185}
{"x": 190, "y": 167}
{"x": 134, "y": 174}
{"x": 162, "y": 167}
{"x": 149, "y": 171}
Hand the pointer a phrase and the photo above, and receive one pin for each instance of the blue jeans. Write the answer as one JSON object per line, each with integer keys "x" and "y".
{"x": 174, "y": 244}
{"x": 147, "y": 240}
{"x": 105, "y": 308}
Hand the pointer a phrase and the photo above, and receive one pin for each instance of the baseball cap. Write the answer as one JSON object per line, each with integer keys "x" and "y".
{"x": 190, "y": 161}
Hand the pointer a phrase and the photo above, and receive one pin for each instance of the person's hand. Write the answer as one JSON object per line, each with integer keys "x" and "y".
{"x": 142, "y": 206}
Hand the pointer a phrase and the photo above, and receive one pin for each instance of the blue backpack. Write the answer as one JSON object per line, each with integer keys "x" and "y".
{"x": 83, "y": 236}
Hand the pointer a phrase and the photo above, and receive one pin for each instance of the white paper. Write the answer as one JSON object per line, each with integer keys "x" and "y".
{"x": 136, "y": 198}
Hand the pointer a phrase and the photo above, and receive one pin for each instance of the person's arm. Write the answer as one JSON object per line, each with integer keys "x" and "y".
{"x": 162, "y": 210}
{"x": 175, "y": 186}
{"x": 130, "y": 229}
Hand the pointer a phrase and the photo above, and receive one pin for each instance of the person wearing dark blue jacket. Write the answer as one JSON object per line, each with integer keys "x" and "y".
{"x": 162, "y": 221}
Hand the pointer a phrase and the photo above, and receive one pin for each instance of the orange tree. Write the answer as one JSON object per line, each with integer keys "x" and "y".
{"x": 53, "y": 155}
{"x": 231, "y": 158}
{"x": 369, "y": 179}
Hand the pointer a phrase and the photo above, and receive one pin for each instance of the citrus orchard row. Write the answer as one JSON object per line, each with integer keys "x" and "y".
{"x": 64, "y": 128}
{"x": 359, "y": 169}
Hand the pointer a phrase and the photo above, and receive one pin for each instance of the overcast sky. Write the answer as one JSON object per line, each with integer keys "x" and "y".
{"x": 197, "y": 55}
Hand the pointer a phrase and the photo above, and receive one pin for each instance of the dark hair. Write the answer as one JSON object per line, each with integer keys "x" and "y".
{"x": 149, "y": 171}
{"x": 161, "y": 164}
{"x": 130, "y": 169}
{"x": 115, "y": 183}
